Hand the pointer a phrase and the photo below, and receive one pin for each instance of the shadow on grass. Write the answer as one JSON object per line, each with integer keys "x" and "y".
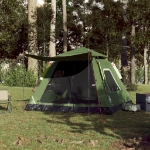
{"x": 121, "y": 125}
{"x": 19, "y": 104}
{"x": 21, "y": 100}
{"x": 3, "y": 107}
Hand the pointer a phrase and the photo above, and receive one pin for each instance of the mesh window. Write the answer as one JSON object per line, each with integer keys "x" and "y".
{"x": 60, "y": 80}
{"x": 112, "y": 85}
{"x": 83, "y": 85}
{"x": 71, "y": 80}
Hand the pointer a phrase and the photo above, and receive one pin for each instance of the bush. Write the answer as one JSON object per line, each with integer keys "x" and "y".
{"x": 140, "y": 74}
{"x": 18, "y": 76}
{"x": 132, "y": 87}
{"x": 30, "y": 79}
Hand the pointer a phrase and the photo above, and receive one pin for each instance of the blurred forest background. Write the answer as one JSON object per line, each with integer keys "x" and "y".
{"x": 119, "y": 29}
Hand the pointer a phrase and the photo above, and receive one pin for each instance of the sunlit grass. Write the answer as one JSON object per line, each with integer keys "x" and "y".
{"x": 141, "y": 89}
{"x": 35, "y": 130}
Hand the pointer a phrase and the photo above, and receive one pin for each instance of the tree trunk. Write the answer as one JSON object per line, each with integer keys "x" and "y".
{"x": 52, "y": 44}
{"x": 145, "y": 65}
{"x": 132, "y": 65}
{"x": 64, "y": 26}
{"x": 124, "y": 62}
{"x": 32, "y": 35}
{"x": 107, "y": 48}
{"x": 119, "y": 62}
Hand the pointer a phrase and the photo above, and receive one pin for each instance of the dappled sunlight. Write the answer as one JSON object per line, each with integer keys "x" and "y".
{"x": 40, "y": 3}
{"x": 121, "y": 125}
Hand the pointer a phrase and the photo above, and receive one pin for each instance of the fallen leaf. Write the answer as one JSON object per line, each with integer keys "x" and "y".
{"x": 21, "y": 141}
{"x": 15, "y": 143}
{"x": 76, "y": 142}
{"x": 40, "y": 141}
{"x": 92, "y": 142}
{"x": 18, "y": 142}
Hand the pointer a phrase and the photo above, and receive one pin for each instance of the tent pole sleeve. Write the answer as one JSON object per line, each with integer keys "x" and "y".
{"x": 98, "y": 97}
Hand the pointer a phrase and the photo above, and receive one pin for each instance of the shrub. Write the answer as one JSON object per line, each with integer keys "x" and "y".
{"x": 18, "y": 76}
{"x": 132, "y": 87}
{"x": 140, "y": 74}
{"x": 30, "y": 79}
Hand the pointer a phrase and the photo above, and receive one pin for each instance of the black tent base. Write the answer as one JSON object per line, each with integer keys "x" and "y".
{"x": 93, "y": 110}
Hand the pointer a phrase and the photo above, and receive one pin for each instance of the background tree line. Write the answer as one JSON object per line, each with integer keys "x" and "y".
{"x": 119, "y": 30}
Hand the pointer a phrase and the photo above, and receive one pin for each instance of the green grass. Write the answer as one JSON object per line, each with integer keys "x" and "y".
{"x": 35, "y": 130}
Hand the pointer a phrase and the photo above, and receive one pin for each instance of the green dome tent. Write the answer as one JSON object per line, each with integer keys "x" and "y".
{"x": 80, "y": 80}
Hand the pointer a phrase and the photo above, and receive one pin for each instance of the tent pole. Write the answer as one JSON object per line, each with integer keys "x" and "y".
{"x": 70, "y": 96}
{"x": 88, "y": 78}
{"x": 23, "y": 80}
{"x": 98, "y": 98}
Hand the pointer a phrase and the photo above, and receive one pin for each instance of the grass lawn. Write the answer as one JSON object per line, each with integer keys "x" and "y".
{"x": 35, "y": 130}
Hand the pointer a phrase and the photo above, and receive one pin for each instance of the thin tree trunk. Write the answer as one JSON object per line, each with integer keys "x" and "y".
{"x": 64, "y": 26}
{"x": 107, "y": 48}
{"x": 119, "y": 62}
{"x": 145, "y": 65}
{"x": 132, "y": 66}
{"x": 124, "y": 62}
{"x": 52, "y": 44}
{"x": 32, "y": 35}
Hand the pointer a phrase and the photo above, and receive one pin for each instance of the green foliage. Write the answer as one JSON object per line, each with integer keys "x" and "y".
{"x": 132, "y": 87}
{"x": 13, "y": 16}
{"x": 88, "y": 25}
{"x": 127, "y": 82}
{"x": 18, "y": 77}
{"x": 30, "y": 79}
{"x": 44, "y": 16}
{"x": 125, "y": 76}
{"x": 139, "y": 74}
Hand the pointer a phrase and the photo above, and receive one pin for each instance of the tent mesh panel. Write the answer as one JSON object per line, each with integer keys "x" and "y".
{"x": 69, "y": 84}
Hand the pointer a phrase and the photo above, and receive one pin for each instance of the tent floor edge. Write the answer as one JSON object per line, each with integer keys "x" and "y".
{"x": 93, "y": 110}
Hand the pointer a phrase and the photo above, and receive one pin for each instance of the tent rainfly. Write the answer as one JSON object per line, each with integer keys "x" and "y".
{"x": 80, "y": 80}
